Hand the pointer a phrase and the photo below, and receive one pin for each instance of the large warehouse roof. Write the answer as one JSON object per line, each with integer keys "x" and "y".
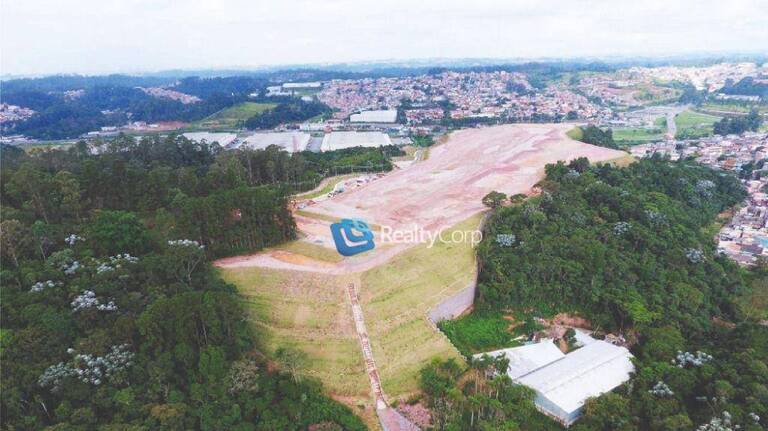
{"x": 389, "y": 116}
{"x": 564, "y": 382}
{"x": 302, "y": 85}
{"x": 524, "y": 359}
{"x": 340, "y": 140}
{"x": 290, "y": 141}
{"x": 223, "y": 139}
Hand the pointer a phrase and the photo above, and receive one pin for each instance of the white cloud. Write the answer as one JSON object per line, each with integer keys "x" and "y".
{"x": 96, "y": 36}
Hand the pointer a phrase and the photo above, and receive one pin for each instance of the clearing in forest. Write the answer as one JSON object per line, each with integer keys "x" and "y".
{"x": 297, "y": 292}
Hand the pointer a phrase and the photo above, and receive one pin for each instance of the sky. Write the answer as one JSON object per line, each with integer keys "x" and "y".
{"x": 105, "y": 36}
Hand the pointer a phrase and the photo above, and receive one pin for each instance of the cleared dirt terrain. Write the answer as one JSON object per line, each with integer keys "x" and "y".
{"x": 436, "y": 193}
{"x": 447, "y": 187}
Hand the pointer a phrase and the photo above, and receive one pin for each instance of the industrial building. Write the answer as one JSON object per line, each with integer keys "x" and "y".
{"x": 297, "y": 85}
{"x": 224, "y": 139}
{"x": 293, "y": 142}
{"x": 388, "y": 116}
{"x": 563, "y": 382}
{"x": 341, "y": 140}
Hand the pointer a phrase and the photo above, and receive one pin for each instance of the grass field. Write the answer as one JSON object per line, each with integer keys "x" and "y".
{"x": 409, "y": 150}
{"x": 732, "y": 107}
{"x": 476, "y": 333}
{"x": 638, "y": 135}
{"x": 396, "y": 298}
{"x": 692, "y": 124}
{"x": 232, "y": 117}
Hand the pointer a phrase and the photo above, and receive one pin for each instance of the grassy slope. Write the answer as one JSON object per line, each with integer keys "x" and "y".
{"x": 308, "y": 312}
{"x": 325, "y": 187}
{"x": 576, "y": 133}
{"x": 230, "y": 118}
{"x": 395, "y": 299}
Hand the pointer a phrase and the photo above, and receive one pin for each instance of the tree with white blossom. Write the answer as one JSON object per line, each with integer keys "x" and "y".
{"x": 88, "y": 368}
{"x": 88, "y": 299}
{"x": 186, "y": 255}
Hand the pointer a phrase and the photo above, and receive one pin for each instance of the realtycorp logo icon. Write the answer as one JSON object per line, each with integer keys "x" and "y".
{"x": 352, "y": 236}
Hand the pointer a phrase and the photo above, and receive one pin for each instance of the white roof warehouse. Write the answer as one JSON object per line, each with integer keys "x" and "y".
{"x": 564, "y": 382}
{"x": 388, "y": 116}
{"x": 289, "y": 141}
{"x": 341, "y": 140}
{"x": 224, "y": 139}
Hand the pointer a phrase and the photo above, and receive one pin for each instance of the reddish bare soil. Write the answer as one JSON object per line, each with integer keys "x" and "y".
{"x": 439, "y": 192}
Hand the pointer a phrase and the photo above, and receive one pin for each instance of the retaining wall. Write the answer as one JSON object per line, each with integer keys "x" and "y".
{"x": 455, "y": 305}
{"x": 461, "y": 301}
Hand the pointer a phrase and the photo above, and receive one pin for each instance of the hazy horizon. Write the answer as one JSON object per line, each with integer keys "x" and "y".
{"x": 95, "y": 37}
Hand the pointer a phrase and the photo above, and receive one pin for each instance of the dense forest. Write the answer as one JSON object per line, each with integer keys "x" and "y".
{"x": 596, "y": 136}
{"x": 287, "y": 112}
{"x": 112, "y": 317}
{"x": 62, "y": 114}
{"x": 746, "y": 86}
{"x": 480, "y": 396}
{"x": 738, "y": 125}
{"x": 68, "y": 107}
{"x": 631, "y": 249}
{"x": 229, "y": 201}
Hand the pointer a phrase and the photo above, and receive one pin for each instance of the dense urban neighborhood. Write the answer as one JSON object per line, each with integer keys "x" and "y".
{"x": 745, "y": 236}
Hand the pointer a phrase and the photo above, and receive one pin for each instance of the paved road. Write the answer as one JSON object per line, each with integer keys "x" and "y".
{"x": 671, "y": 126}
{"x": 670, "y": 113}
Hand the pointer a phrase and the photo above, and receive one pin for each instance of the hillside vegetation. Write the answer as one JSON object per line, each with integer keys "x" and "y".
{"x": 627, "y": 249}
{"x": 112, "y": 317}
